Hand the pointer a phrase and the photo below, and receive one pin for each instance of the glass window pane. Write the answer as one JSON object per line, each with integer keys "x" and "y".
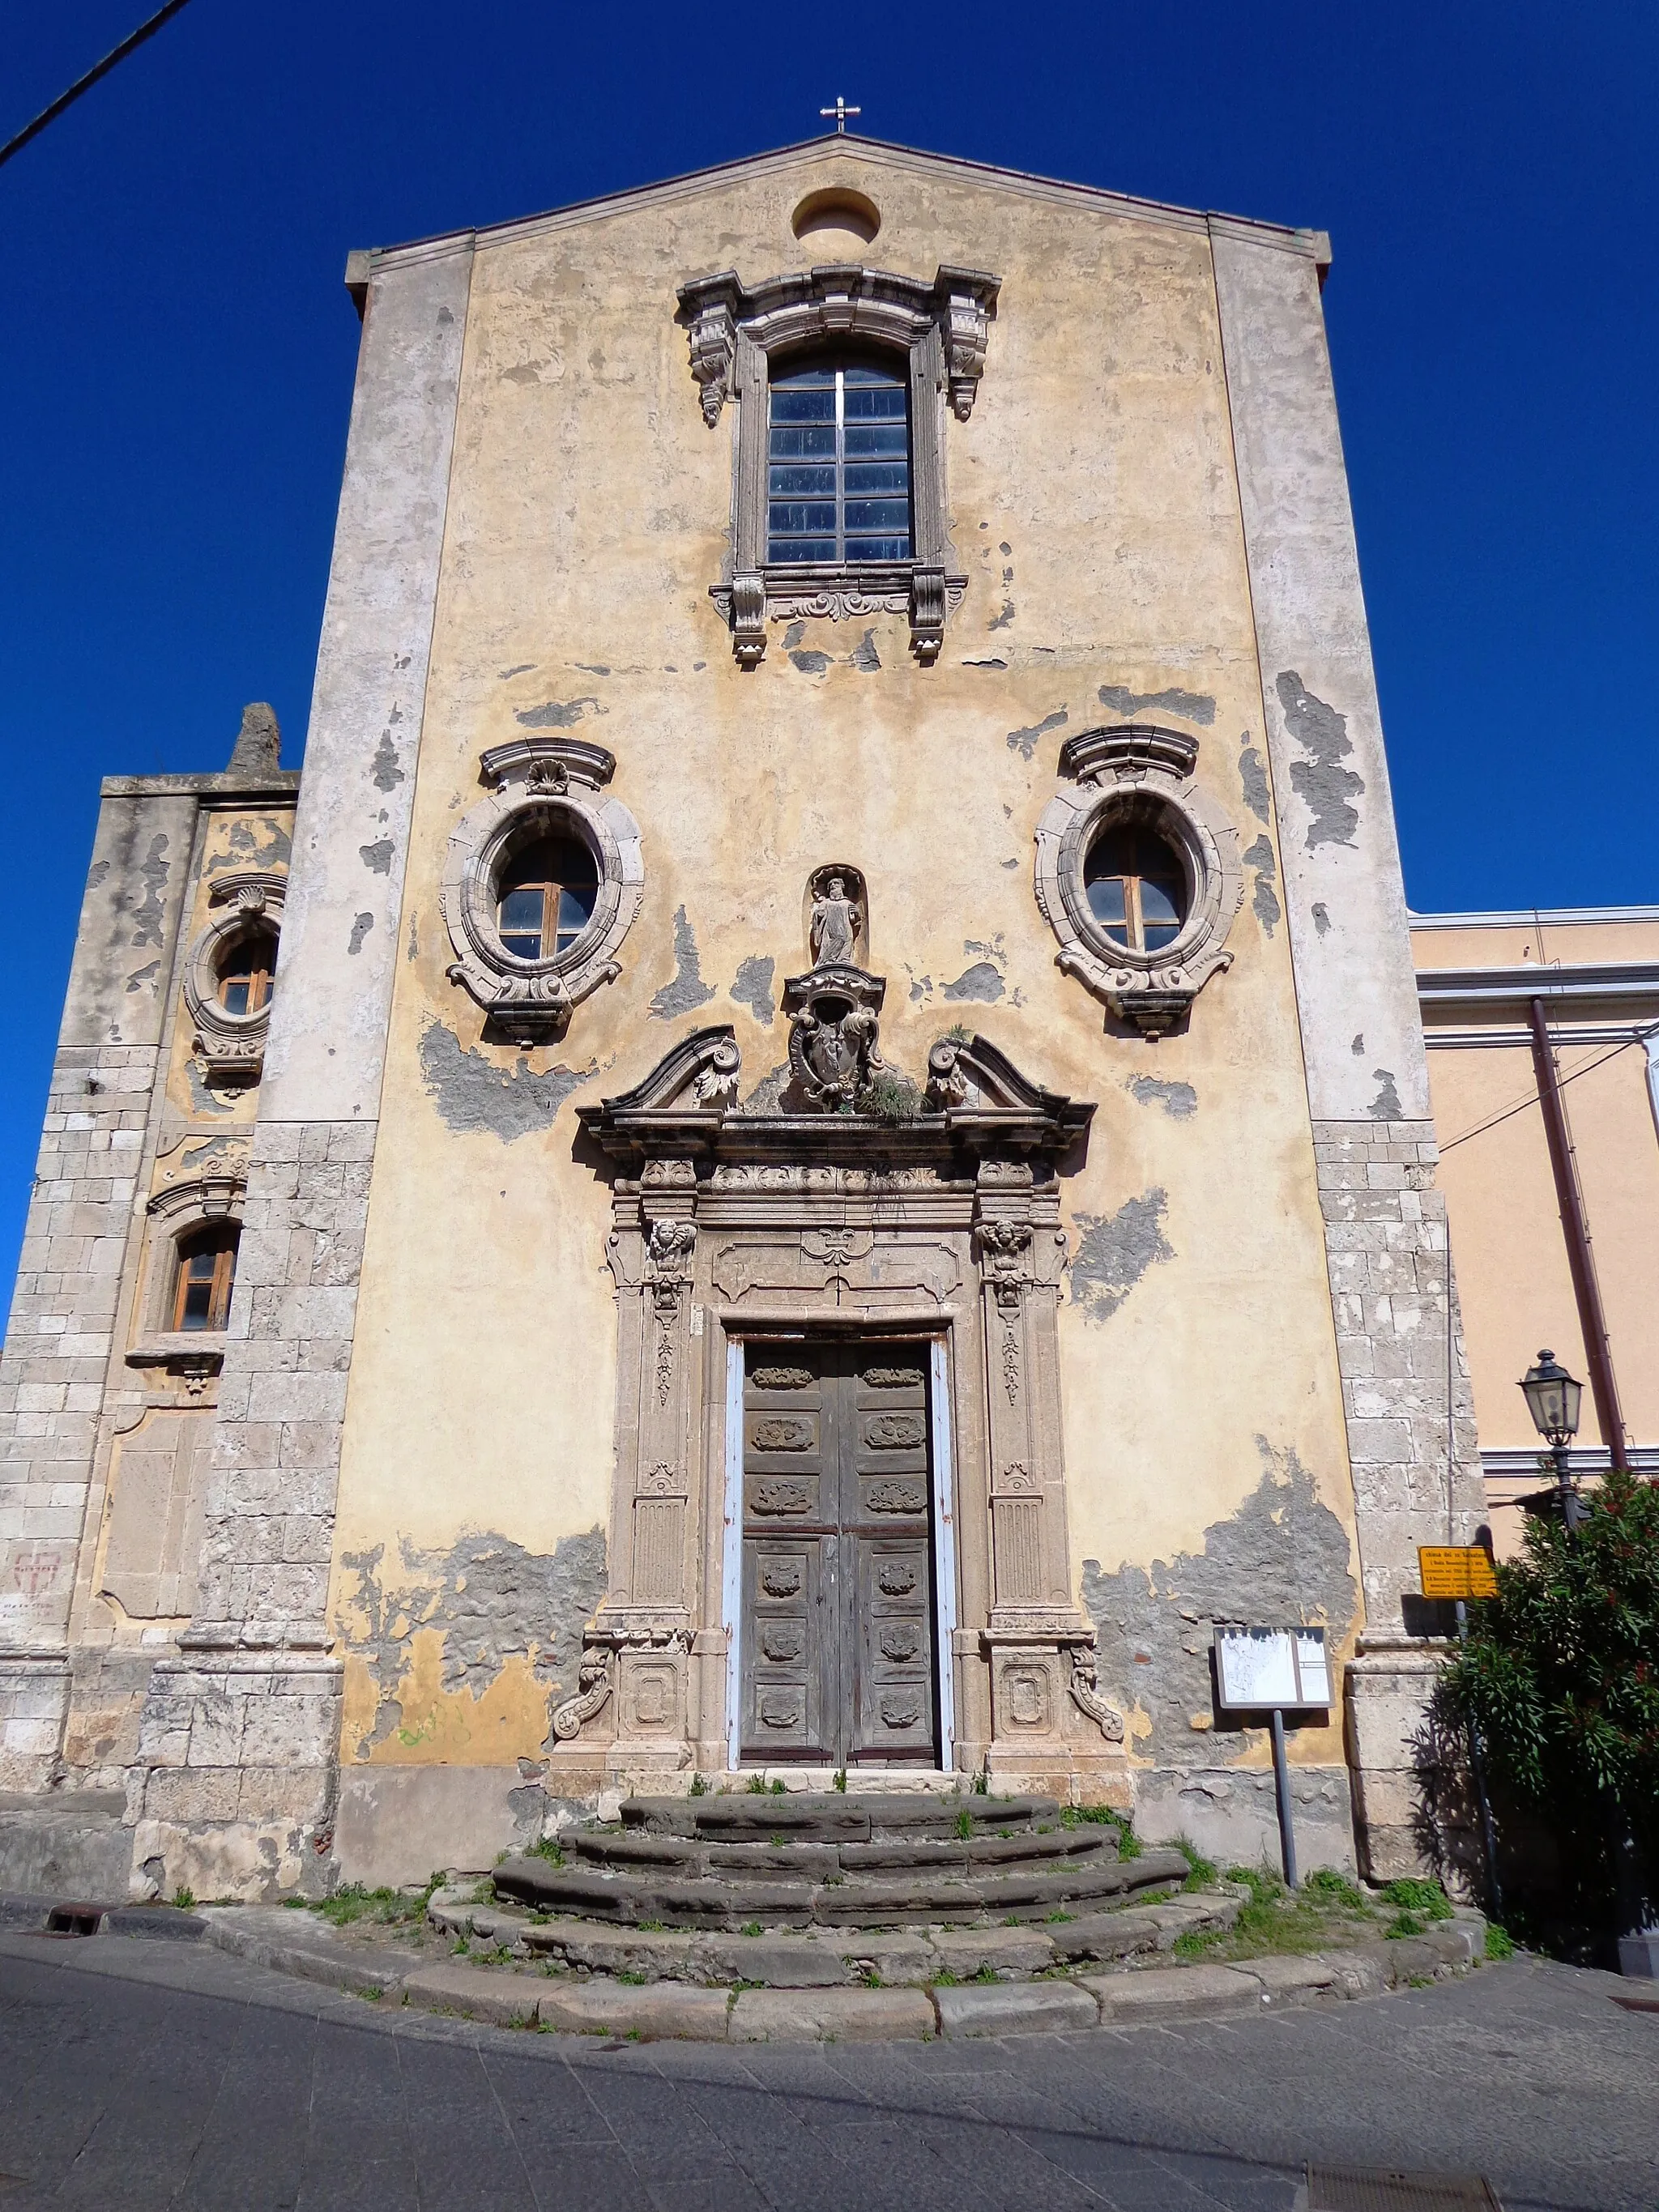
{"x": 233, "y": 996}
{"x": 522, "y": 909}
{"x": 884, "y": 438}
{"x": 523, "y": 945}
{"x": 1110, "y": 906}
{"x": 878, "y": 549}
{"x": 785, "y": 482}
{"x": 804, "y": 406}
{"x": 801, "y": 548}
{"x": 804, "y": 441}
{"x": 576, "y": 909}
{"x": 1160, "y": 905}
{"x": 796, "y": 521}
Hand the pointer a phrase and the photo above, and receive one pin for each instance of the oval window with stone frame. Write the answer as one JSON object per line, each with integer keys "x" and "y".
{"x": 245, "y": 973}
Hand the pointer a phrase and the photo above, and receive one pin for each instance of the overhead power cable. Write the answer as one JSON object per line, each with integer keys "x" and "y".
{"x": 1508, "y": 1113}
{"x": 85, "y": 83}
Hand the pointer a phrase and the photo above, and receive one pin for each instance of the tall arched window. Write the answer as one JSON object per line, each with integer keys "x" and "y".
{"x": 838, "y": 463}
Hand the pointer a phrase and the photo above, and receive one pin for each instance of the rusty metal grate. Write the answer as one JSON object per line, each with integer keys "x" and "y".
{"x": 1383, "y": 2188}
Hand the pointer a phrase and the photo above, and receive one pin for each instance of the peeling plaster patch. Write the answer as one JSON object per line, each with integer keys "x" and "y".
{"x": 1191, "y": 706}
{"x": 474, "y": 1094}
{"x": 148, "y": 916}
{"x": 1178, "y": 1100}
{"x": 864, "y": 655}
{"x": 414, "y": 937}
{"x": 1115, "y": 1250}
{"x": 1358, "y": 1048}
{"x": 810, "y": 664}
{"x": 1010, "y": 864}
{"x": 244, "y": 848}
{"x": 203, "y": 1100}
{"x": 589, "y": 667}
{"x": 767, "y": 1097}
{"x": 489, "y": 1599}
{"x": 1328, "y": 789}
{"x": 387, "y": 774}
{"x": 1265, "y": 903}
{"x": 1322, "y": 918}
{"x": 1005, "y": 619}
{"x": 793, "y": 635}
{"x": 360, "y": 929}
{"x": 987, "y": 660}
{"x": 688, "y": 991}
{"x": 96, "y": 873}
{"x": 1253, "y": 775}
{"x": 1386, "y": 1106}
{"x": 557, "y": 714}
{"x": 377, "y": 857}
{"x": 1283, "y": 1555}
{"x": 982, "y": 981}
{"x": 922, "y": 986}
{"x": 753, "y": 987}
{"x": 140, "y": 976}
{"x": 520, "y": 668}
{"x": 1024, "y": 742}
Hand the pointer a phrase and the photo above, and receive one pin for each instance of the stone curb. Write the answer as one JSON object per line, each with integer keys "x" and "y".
{"x": 1059, "y": 2005}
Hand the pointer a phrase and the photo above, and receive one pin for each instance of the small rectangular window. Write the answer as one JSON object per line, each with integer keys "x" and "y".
{"x": 838, "y": 465}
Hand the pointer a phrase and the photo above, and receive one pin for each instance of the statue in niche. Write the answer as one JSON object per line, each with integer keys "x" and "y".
{"x": 836, "y": 924}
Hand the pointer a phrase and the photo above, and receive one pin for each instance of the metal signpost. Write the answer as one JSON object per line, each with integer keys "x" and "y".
{"x": 1275, "y": 1671}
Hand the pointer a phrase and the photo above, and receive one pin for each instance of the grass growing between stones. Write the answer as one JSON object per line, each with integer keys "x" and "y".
{"x": 391, "y": 1907}
{"x": 1328, "y": 1912}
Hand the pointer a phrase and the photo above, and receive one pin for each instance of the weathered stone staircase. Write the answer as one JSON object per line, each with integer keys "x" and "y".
{"x": 863, "y": 1862}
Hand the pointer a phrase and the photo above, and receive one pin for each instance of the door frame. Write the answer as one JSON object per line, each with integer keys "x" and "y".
{"x": 942, "y": 1475}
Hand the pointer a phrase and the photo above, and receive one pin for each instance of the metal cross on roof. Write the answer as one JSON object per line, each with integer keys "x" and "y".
{"x": 841, "y": 110}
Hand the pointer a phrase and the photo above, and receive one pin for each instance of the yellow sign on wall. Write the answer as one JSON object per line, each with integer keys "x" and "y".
{"x": 1457, "y": 1570}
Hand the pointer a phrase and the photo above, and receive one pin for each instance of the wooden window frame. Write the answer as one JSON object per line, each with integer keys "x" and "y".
{"x": 221, "y": 1241}
{"x": 260, "y": 979}
{"x": 553, "y": 941}
{"x": 836, "y": 361}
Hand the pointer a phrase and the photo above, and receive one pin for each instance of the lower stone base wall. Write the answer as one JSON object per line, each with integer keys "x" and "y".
{"x": 66, "y": 1843}
{"x": 1413, "y": 1810}
{"x": 35, "y": 1697}
{"x": 1231, "y": 1816}
{"x": 397, "y": 1825}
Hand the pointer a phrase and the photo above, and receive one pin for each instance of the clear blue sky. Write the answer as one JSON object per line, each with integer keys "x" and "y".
{"x": 178, "y": 352}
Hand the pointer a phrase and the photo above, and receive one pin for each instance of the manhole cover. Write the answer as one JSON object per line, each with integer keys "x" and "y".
{"x": 1381, "y": 2189}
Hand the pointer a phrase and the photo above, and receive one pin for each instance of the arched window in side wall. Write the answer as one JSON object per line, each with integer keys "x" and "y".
{"x": 838, "y": 463}
{"x": 204, "y": 1274}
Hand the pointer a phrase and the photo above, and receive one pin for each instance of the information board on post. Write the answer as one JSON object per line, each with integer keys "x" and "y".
{"x": 1462, "y": 1570}
{"x": 1259, "y": 1669}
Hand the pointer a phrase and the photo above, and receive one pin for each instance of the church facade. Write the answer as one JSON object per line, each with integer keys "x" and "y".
{"x": 803, "y": 1150}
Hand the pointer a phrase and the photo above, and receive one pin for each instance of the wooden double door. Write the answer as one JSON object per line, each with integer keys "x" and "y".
{"x": 838, "y": 1643}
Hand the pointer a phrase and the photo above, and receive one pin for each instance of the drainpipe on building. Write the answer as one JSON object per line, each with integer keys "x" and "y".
{"x": 1587, "y": 1292}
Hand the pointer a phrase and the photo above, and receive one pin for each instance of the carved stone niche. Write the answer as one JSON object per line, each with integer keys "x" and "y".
{"x": 230, "y": 1048}
{"x": 937, "y": 334}
{"x": 539, "y": 787}
{"x": 1136, "y": 775}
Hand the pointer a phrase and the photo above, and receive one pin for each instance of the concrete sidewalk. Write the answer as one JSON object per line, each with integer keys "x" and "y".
{"x": 137, "y": 2074}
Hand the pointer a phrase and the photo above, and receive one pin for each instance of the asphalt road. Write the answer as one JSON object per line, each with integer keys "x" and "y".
{"x": 137, "y": 2074}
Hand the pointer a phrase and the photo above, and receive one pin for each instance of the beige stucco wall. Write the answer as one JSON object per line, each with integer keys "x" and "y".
{"x": 1094, "y": 507}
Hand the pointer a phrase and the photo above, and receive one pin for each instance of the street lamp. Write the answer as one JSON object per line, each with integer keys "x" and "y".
{"x": 1552, "y": 1397}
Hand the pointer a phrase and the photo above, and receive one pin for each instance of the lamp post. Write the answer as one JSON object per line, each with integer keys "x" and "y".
{"x": 1552, "y": 1398}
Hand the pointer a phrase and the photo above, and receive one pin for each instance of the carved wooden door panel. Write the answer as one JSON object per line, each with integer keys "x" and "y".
{"x": 837, "y": 1630}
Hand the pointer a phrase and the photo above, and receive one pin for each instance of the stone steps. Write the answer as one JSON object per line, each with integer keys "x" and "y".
{"x": 821, "y": 1859}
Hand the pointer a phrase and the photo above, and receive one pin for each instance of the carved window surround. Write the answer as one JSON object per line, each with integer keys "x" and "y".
{"x": 194, "y": 1355}
{"x": 736, "y": 333}
{"x": 727, "y": 1225}
{"x": 231, "y": 1047}
{"x": 539, "y": 785}
{"x": 1137, "y": 772}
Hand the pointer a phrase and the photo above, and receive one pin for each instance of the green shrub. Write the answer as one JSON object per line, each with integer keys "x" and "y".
{"x": 1332, "y": 1887}
{"x": 550, "y": 1848}
{"x": 1406, "y": 1923}
{"x": 1201, "y": 1871}
{"x": 1499, "y": 1942}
